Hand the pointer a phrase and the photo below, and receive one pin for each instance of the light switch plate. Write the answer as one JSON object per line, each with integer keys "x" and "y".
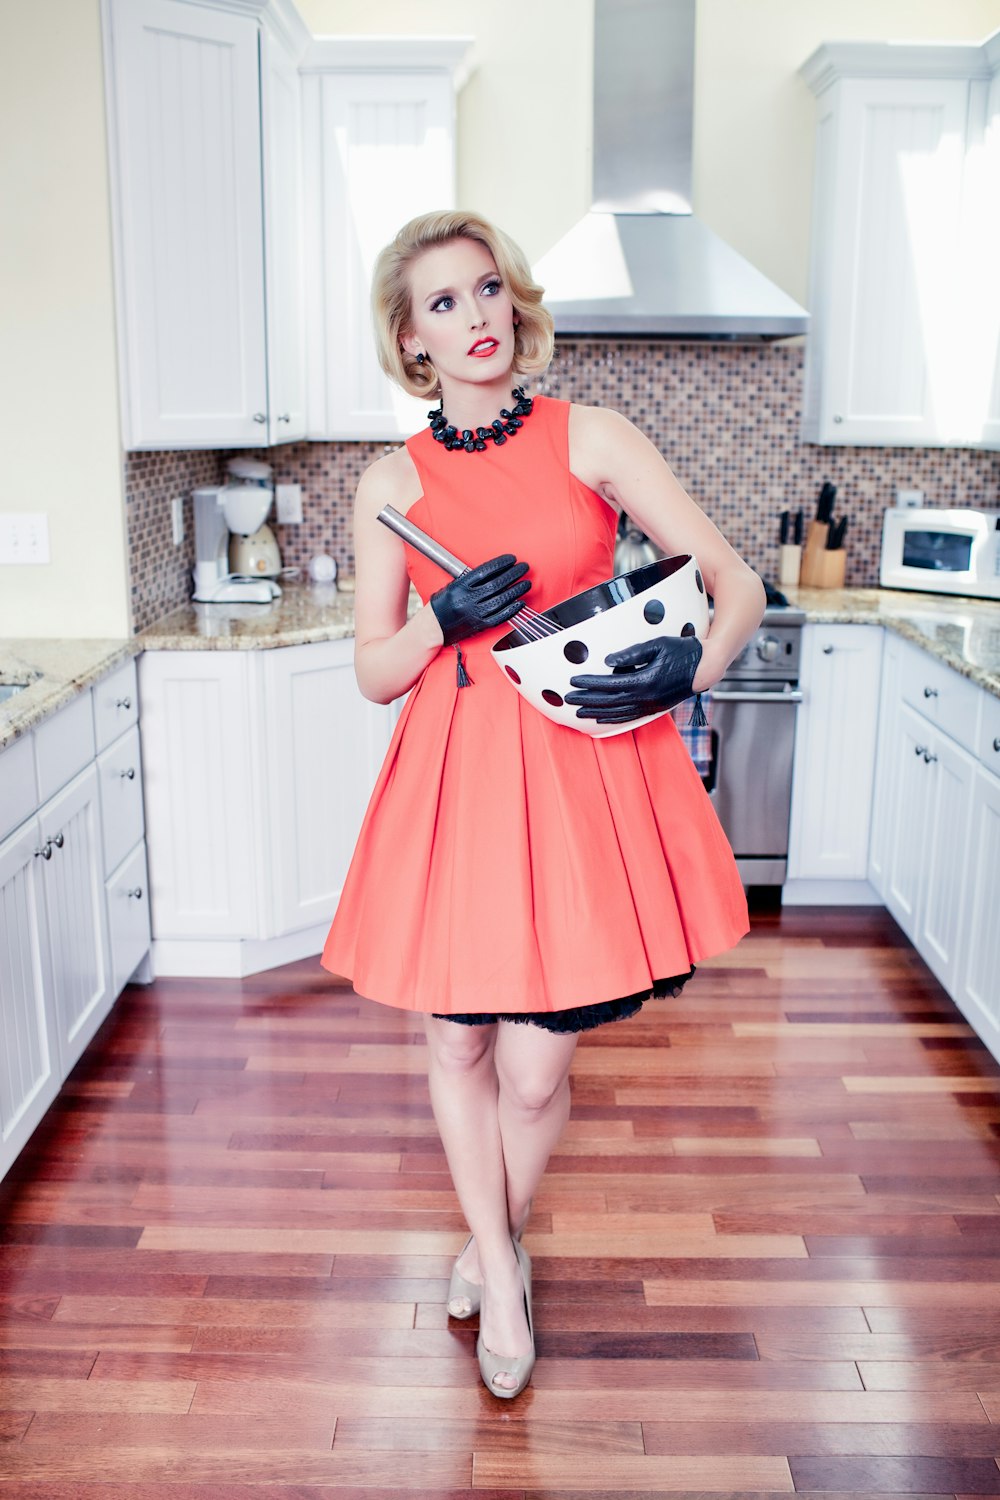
{"x": 177, "y": 519}
{"x": 288, "y": 504}
{"x": 909, "y": 499}
{"x": 24, "y": 537}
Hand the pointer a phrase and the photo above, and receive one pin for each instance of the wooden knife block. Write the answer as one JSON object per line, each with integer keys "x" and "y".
{"x": 821, "y": 569}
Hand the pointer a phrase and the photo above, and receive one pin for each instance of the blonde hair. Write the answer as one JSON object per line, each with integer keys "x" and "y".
{"x": 391, "y": 304}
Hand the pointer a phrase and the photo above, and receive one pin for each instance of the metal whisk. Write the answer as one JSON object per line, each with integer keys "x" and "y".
{"x": 527, "y": 622}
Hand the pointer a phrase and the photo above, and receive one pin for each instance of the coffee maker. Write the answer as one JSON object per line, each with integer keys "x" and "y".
{"x": 236, "y": 555}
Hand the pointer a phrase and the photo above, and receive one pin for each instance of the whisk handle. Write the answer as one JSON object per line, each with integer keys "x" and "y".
{"x": 421, "y": 541}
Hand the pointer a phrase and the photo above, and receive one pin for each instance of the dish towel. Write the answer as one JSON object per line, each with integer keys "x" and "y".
{"x": 696, "y": 729}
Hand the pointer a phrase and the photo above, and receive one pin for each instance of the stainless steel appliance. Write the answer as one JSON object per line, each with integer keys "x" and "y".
{"x": 942, "y": 551}
{"x": 749, "y": 777}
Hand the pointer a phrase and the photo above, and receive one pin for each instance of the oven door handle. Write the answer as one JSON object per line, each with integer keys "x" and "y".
{"x": 750, "y": 697}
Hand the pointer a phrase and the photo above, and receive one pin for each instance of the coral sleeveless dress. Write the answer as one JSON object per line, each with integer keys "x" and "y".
{"x": 508, "y": 866}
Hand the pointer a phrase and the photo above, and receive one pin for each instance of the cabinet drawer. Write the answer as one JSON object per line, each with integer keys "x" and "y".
{"x": 119, "y": 772}
{"x": 17, "y": 785}
{"x": 128, "y": 916}
{"x": 989, "y": 733}
{"x": 949, "y": 700}
{"x": 116, "y": 704}
{"x": 64, "y": 744}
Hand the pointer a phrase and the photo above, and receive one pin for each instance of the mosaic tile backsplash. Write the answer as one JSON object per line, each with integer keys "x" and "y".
{"x": 725, "y": 416}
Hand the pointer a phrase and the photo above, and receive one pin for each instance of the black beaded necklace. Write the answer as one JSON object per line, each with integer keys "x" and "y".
{"x": 505, "y": 426}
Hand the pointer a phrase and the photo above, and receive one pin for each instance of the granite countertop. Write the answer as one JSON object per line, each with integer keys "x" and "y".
{"x": 962, "y": 633}
{"x": 55, "y": 671}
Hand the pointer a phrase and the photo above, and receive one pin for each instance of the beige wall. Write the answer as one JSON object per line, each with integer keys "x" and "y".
{"x": 525, "y": 115}
{"x": 59, "y": 429}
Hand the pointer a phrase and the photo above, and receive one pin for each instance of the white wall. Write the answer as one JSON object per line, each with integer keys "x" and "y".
{"x": 525, "y": 115}
{"x": 59, "y": 429}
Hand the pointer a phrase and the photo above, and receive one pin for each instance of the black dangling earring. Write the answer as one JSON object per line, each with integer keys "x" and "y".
{"x": 421, "y": 358}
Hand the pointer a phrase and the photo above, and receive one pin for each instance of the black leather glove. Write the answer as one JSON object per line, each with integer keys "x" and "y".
{"x": 480, "y": 597}
{"x": 647, "y": 677}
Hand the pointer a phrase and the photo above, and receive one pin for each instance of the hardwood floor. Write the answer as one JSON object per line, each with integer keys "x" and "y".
{"x": 766, "y": 1253}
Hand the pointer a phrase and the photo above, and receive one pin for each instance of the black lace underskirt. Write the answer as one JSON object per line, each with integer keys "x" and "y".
{"x": 582, "y": 1017}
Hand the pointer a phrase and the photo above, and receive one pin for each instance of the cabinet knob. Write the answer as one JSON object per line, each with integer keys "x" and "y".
{"x": 838, "y": 419}
{"x": 286, "y": 418}
{"x": 129, "y": 774}
{"x": 45, "y": 851}
{"x": 135, "y": 894}
{"x": 59, "y": 840}
{"x": 928, "y": 757}
{"x": 125, "y": 703}
{"x": 996, "y": 743}
{"x": 827, "y": 650}
{"x": 930, "y": 692}
{"x": 919, "y": 750}
{"x": 259, "y": 416}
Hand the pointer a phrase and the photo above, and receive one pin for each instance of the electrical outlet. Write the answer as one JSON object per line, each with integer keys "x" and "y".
{"x": 24, "y": 537}
{"x": 288, "y": 504}
{"x": 909, "y": 499}
{"x": 177, "y": 519}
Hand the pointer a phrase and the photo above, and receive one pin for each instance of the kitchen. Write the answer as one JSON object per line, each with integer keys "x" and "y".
{"x": 896, "y": 685}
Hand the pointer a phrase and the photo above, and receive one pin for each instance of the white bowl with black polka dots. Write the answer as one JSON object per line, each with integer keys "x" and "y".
{"x": 666, "y": 597}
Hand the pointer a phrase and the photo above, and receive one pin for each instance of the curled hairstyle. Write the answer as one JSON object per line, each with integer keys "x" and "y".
{"x": 391, "y": 309}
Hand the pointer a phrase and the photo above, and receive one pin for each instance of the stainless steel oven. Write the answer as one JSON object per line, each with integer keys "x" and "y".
{"x": 749, "y": 777}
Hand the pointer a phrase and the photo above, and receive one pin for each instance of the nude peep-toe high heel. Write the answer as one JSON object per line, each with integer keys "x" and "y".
{"x": 491, "y": 1365}
{"x": 459, "y": 1288}
{"x": 470, "y": 1291}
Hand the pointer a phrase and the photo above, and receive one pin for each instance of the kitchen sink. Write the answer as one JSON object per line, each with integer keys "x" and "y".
{"x": 9, "y": 689}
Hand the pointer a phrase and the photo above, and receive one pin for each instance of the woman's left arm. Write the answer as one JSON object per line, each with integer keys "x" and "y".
{"x": 611, "y": 455}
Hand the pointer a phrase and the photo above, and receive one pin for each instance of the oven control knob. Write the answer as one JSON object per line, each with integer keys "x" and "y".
{"x": 768, "y": 647}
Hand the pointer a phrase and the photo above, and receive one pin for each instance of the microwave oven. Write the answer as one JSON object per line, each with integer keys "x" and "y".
{"x": 942, "y": 551}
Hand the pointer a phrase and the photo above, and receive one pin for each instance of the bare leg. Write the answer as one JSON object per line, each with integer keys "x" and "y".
{"x": 464, "y": 1090}
{"x": 532, "y": 1066}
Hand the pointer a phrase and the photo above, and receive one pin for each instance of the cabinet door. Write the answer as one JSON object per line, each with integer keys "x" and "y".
{"x": 889, "y": 370}
{"x": 70, "y": 825}
{"x": 29, "y": 1066}
{"x": 282, "y": 141}
{"x": 186, "y": 169}
{"x": 835, "y": 752}
{"x": 203, "y": 799}
{"x": 379, "y": 151}
{"x": 907, "y": 846}
{"x": 326, "y": 744}
{"x": 950, "y": 774}
{"x": 979, "y": 969}
{"x": 885, "y": 800}
{"x": 128, "y": 917}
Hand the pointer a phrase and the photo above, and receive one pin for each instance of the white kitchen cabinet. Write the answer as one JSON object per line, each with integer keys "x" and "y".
{"x": 73, "y": 878}
{"x": 258, "y": 769}
{"x": 325, "y": 745}
{"x": 67, "y": 947}
{"x": 885, "y": 784}
{"x": 29, "y": 1058}
{"x": 196, "y": 206}
{"x": 379, "y": 135}
{"x": 905, "y": 322}
{"x": 978, "y": 990}
{"x": 834, "y": 761}
{"x": 201, "y": 734}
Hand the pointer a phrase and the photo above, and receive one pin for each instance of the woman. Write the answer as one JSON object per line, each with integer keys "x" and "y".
{"x": 511, "y": 870}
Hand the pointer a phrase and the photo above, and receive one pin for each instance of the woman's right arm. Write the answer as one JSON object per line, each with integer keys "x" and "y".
{"x": 390, "y": 651}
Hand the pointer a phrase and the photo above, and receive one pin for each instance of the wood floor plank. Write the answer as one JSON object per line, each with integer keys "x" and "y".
{"x": 766, "y": 1251}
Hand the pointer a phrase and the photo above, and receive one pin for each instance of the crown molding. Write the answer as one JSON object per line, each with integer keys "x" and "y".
{"x": 836, "y": 60}
{"x": 390, "y": 54}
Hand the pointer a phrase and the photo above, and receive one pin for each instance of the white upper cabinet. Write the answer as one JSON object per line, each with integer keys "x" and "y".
{"x": 379, "y": 126}
{"x": 206, "y": 189}
{"x": 905, "y": 335}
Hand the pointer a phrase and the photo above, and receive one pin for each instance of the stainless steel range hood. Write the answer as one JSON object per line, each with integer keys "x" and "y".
{"x": 639, "y": 264}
